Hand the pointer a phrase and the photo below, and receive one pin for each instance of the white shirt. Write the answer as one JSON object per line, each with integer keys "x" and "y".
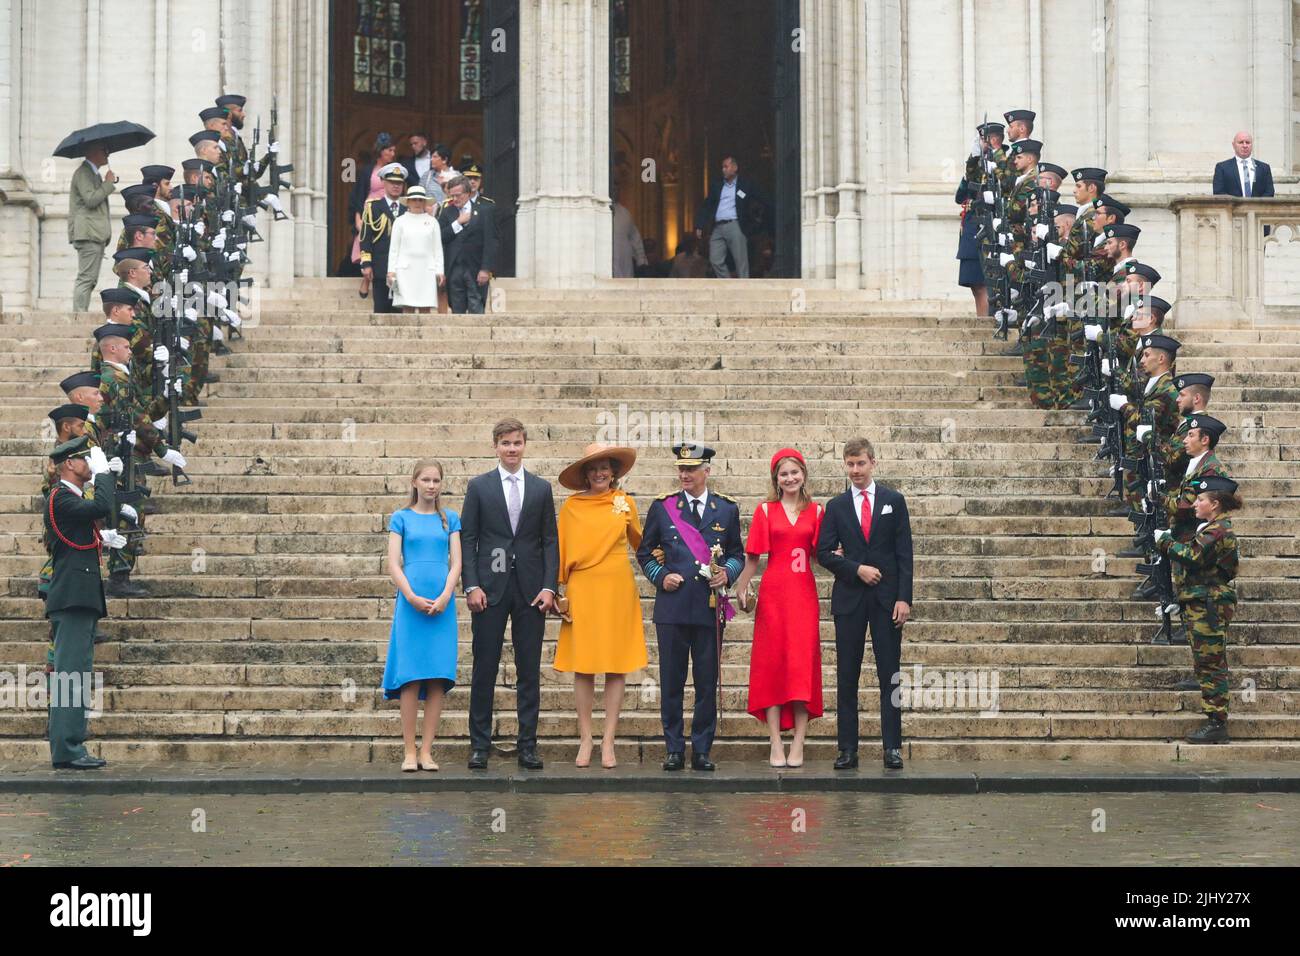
{"x": 1194, "y": 463}
{"x": 1242, "y": 166}
{"x": 505, "y": 484}
{"x": 140, "y": 292}
{"x": 727, "y": 201}
{"x": 124, "y": 368}
{"x": 869, "y": 493}
{"x": 73, "y": 488}
{"x": 1151, "y": 383}
{"x": 456, "y": 227}
{"x": 422, "y": 164}
{"x": 702, "y": 499}
{"x": 165, "y": 207}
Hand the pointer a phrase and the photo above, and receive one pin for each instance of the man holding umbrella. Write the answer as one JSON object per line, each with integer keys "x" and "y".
{"x": 89, "y": 225}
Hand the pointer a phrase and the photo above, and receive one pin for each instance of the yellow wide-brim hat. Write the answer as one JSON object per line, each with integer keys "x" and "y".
{"x": 572, "y": 476}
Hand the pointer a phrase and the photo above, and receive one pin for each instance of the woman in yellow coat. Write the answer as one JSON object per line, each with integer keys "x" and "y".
{"x": 602, "y": 631}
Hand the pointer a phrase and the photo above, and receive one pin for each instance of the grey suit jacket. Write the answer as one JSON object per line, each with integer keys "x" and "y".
{"x": 88, "y": 215}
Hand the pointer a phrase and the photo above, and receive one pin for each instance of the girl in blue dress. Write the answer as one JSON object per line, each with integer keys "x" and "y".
{"x": 424, "y": 563}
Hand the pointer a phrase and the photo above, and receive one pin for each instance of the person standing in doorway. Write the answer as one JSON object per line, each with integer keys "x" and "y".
{"x": 733, "y": 212}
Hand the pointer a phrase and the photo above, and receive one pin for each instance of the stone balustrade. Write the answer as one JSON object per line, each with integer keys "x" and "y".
{"x": 1238, "y": 261}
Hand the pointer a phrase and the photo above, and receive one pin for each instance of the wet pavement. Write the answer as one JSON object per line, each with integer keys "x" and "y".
{"x": 516, "y": 829}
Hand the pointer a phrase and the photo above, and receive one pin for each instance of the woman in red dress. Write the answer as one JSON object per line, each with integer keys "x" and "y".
{"x": 785, "y": 666}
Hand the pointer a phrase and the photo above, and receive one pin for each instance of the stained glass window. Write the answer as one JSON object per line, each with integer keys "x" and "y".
{"x": 621, "y": 75}
{"x": 379, "y": 48}
{"x": 471, "y": 47}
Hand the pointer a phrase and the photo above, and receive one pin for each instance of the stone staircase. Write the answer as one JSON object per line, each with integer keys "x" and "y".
{"x": 265, "y": 639}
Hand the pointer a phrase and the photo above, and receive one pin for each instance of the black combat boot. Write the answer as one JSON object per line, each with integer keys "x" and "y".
{"x": 1213, "y": 731}
{"x": 120, "y": 585}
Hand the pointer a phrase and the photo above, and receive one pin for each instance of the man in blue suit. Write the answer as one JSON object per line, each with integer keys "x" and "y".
{"x": 866, "y": 542}
{"x": 1243, "y": 175}
{"x": 681, "y": 530}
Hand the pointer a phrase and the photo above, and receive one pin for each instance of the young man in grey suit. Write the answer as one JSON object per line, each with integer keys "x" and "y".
{"x": 866, "y": 542}
{"x": 511, "y": 565}
{"x": 89, "y": 224}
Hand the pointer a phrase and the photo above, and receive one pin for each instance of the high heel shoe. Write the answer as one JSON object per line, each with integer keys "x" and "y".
{"x": 775, "y": 763}
{"x": 609, "y": 764}
{"x": 578, "y": 761}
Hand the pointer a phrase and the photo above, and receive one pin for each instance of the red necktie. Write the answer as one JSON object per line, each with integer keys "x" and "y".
{"x": 866, "y": 516}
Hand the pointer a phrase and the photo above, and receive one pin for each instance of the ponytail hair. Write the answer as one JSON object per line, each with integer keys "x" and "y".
{"x": 420, "y": 466}
{"x": 1228, "y": 500}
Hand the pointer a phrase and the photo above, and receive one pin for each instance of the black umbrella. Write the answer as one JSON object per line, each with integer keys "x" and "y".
{"x": 114, "y": 137}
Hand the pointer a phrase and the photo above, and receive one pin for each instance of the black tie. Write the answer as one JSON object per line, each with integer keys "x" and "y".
{"x": 393, "y": 210}
{"x": 696, "y": 508}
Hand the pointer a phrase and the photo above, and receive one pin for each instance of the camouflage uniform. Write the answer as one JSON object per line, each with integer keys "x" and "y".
{"x": 1162, "y": 400}
{"x": 1180, "y": 503}
{"x": 1208, "y": 599}
{"x": 1035, "y": 350}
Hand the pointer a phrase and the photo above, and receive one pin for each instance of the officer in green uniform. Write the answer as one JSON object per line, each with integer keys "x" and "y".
{"x": 75, "y": 601}
{"x": 1207, "y": 596}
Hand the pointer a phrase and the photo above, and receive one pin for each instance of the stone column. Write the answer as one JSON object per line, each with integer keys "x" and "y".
{"x": 18, "y": 207}
{"x": 850, "y": 42}
{"x": 564, "y": 225}
{"x": 1128, "y": 140}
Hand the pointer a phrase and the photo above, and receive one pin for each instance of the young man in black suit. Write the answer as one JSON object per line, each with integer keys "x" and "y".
{"x": 511, "y": 564}
{"x": 469, "y": 245}
{"x": 866, "y": 542}
{"x": 1243, "y": 175}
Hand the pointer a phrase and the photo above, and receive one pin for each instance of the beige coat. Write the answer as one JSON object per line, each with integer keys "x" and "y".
{"x": 88, "y": 215}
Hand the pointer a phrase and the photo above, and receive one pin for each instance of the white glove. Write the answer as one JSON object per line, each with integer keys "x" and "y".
{"x": 1029, "y": 263}
{"x": 185, "y": 343}
{"x": 160, "y": 424}
{"x": 176, "y": 386}
{"x": 1161, "y": 534}
{"x": 1153, "y": 488}
{"x": 129, "y": 513}
{"x": 1099, "y": 241}
{"x": 1105, "y": 366}
{"x": 1092, "y": 332}
{"x": 997, "y": 223}
{"x": 1142, "y": 432}
{"x": 189, "y": 254}
{"x": 130, "y": 437}
{"x": 219, "y": 242}
{"x": 228, "y": 216}
{"x": 250, "y": 221}
{"x": 192, "y": 314}
{"x": 1006, "y": 259}
{"x": 160, "y": 354}
{"x": 1062, "y": 309}
{"x": 98, "y": 461}
{"x": 1129, "y": 310}
{"x": 181, "y": 276}
{"x": 975, "y": 145}
{"x": 239, "y": 189}
{"x": 274, "y": 148}
{"x": 115, "y": 466}
{"x": 200, "y": 227}
{"x": 112, "y": 539}
{"x": 1117, "y": 402}
{"x": 1053, "y": 250}
{"x": 990, "y": 167}
{"x": 272, "y": 200}
{"x": 217, "y": 334}
{"x": 1002, "y": 238}
{"x": 233, "y": 318}
{"x": 173, "y": 457}
{"x": 217, "y": 299}
{"x": 233, "y": 256}
{"x": 248, "y": 168}
{"x": 1041, "y": 230}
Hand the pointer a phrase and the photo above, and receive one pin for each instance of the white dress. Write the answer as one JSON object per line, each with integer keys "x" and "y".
{"x": 415, "y": 257}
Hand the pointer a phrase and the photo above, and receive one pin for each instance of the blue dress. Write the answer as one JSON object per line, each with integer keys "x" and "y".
{"x": 422, "y": 646}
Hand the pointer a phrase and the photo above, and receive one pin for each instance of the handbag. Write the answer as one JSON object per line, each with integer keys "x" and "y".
{"x": 562, "y": 608}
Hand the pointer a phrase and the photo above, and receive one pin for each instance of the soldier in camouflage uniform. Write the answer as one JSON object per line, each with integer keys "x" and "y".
{"x": 1193, "y": 399}
{"x": 1207, "y": 596}
{"x": 1159, "y": 400}
{"x": 1024, "y": 156}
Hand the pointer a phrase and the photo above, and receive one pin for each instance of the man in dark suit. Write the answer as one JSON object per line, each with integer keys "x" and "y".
{"x": 469, "y": 247}
{"x": 733, "y": 212}
{"x": 1243, "y": 175}
{"x": 75, "y": 600}
{"x": 377, "y": 232}
{"x": 866, "y": 542}
{"x": 680, "y": 532}
{"x": 511, "y": 564}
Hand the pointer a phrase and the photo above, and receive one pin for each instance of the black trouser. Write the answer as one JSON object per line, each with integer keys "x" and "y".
{"x": 850, "y": 645}
{"x": 678, "y": 645}
{"x": 527, "y": 625}
{"x": 464, "y": 294}
{"x": 379, "y": 291}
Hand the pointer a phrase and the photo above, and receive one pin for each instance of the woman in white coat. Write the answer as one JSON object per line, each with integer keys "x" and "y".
{"x": 415, "y": 255}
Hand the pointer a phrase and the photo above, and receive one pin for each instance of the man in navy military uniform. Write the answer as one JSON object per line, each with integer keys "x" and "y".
{"x": 680, "y": 532}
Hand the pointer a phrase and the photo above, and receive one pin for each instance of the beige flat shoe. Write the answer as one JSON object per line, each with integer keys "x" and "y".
{"x": 428, "y": 764}
{"x": 408, "y": 765}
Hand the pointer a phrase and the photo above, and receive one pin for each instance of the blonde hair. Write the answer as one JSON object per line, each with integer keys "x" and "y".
{"x": 804, "y": 499}
{"x": 420, "y": 466}
{"x": 613, "y": 466}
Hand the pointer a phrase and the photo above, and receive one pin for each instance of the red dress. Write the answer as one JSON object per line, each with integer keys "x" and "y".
{"x": 785, "y": 663}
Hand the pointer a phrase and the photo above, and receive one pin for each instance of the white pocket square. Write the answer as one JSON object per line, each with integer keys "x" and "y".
{"x": 887, "y": 510}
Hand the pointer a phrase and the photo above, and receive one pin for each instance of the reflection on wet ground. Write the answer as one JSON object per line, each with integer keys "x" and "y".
{"x": 661, "y": 829}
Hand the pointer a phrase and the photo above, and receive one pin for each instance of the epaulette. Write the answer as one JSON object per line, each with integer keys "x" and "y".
{"x": 483, "y": 198}
{"x": 722, "y": 496}
{"x": 666, "y": 494}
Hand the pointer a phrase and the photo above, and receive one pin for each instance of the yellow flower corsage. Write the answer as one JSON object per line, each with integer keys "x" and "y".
{"x": 621, "y": 505}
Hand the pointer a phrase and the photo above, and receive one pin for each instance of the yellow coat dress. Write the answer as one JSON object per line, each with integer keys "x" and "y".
{"x": 607, "y": 635}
